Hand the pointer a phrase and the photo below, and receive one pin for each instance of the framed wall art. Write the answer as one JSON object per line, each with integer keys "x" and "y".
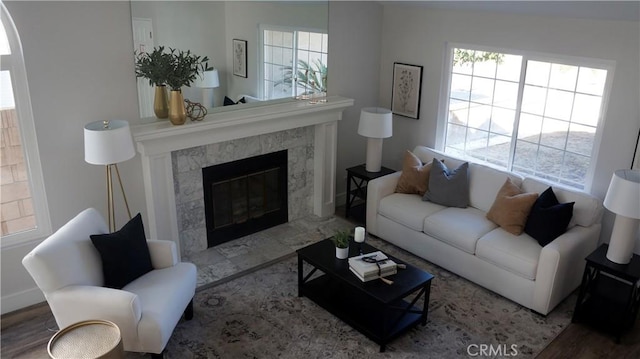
{"x": 240, "y": 57}
{"x": 407, "y": 85}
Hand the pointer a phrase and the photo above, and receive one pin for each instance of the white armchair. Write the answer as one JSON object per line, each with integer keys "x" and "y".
{"x": 68, "y": 269}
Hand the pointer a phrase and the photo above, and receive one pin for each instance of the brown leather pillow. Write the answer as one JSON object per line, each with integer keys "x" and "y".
{"x": 415, "y": 176}
{"x": 511, "y": 208}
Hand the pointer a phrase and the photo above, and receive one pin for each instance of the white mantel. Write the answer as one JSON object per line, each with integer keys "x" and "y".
{"x": 156, "y": 139}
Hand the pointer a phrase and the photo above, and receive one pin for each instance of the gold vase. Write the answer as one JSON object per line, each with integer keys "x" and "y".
{"x": 161, "y": 102}
{"x": 177, "y": 111}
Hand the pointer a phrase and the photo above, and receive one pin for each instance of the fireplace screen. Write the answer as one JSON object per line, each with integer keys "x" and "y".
{"x": 245, "y": 196}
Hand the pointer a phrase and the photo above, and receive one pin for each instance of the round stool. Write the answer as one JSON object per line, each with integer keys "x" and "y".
{"x": 88, "y": 339}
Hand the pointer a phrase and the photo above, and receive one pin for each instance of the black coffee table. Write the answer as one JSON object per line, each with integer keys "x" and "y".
{"x": 376, "y": 309}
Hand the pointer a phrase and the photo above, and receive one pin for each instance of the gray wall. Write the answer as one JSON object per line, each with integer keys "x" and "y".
{"x": 80, "y": 69}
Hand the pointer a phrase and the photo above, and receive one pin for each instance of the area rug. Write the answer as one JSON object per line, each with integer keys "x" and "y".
{"x": 260, "y": 315}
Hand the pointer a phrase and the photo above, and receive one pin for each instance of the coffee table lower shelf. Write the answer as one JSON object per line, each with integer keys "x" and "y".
{"x": 380, "y": 323}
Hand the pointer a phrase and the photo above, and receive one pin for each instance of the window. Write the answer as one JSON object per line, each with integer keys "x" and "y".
{"x": 24, "y": 213}
{"x": 294, "y": 62}
{"x": 536, "y": 115}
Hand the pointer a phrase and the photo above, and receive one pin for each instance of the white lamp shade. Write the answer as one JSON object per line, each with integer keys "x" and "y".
{"x": 375, "y": 122}
{"x": 623, "y": 196}
{"x": 208, "y": 80}
{"x": 105, "y": 145}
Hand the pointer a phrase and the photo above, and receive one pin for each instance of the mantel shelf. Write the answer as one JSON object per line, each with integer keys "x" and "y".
{"x": 155, "y": 136}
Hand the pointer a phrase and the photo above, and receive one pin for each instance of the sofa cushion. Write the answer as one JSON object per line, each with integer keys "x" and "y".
{"x": 407, "y": 209}
{"x": 125, "y": 254}
{"x": 459, "y": 227}
{"x": 518, "y": 255}
{"x": 587, "y": 209}
{"x": 448, "y": 187}
{"x": 511, "y": 208}
{"x": 548, "y": 218}
{"x": 415, "y": 175}
{"x": 484, "y": 184}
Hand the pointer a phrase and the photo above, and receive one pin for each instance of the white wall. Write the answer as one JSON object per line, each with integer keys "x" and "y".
{"x": 353, "y": 71}
{"x": 418, "y": 35}
{"x": 79, "y": 62}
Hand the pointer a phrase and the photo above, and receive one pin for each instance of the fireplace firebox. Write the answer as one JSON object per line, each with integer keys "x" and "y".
{"x": 245, "y": 196}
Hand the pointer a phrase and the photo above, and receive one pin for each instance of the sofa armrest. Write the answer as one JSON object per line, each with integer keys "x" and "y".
{"x": 377, "y": 189}
{"x": 77, "y": 303}
{"x": 561, "y": 265}
{"x": 163, "y": 253}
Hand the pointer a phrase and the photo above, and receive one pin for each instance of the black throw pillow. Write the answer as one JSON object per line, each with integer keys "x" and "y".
{"x": 548, "y": 218}
{"x": 229, "y": 102}
{"x": 125, "y": 254}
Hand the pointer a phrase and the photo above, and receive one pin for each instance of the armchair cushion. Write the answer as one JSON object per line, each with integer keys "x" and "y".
{"x": 125, "y": 254}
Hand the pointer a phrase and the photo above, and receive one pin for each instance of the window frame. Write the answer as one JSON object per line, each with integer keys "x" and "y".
{"x": 443, "y": 102}
{"x": 294, "y": 30}
{"x": 14, "y": 63}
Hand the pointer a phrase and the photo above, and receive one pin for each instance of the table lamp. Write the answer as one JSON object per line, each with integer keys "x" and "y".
{"x": 623, "y": 199}
{"x": 207, "y": 83}
{"x": 375, "y": 123}
{"x": 109, "y": 143}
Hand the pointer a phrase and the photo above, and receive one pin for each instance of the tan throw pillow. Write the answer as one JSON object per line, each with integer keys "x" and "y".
{"x": 511, "y": 208}
{"x": 415, "y": 176}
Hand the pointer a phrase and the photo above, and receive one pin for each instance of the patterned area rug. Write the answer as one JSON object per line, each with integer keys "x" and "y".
{"x": 259, "y": 315}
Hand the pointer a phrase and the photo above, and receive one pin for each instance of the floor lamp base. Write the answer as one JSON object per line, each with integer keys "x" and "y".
{"x": 110, "y": 205}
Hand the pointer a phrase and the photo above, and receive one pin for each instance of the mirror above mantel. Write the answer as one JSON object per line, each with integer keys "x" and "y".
{"x": 208, "y": 28}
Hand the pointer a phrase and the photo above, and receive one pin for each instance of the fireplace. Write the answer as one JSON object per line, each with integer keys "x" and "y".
{"x": 245, "y": 196}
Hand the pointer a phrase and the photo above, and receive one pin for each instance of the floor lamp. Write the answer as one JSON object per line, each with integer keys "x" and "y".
{"x": 108, "y": 143}
{"x": 623, "y": 199}
{"x": 207, "y": 83}
{"x": 376, "y": 124}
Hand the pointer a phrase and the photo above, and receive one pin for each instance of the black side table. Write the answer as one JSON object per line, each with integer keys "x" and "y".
{"x": 359, "y": 176}
{"x": 609, "y": 295}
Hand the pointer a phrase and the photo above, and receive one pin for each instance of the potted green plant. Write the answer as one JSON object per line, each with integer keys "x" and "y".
{"x": 155, "y": 66}
{"x": 341, "y": 240}
{"x": 185, "y": 67}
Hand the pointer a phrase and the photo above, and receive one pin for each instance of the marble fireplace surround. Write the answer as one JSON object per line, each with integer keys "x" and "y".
{"x": 160, "y": 143}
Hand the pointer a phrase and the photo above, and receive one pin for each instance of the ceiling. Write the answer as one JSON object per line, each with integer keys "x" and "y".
{"x": 602, "y": 10}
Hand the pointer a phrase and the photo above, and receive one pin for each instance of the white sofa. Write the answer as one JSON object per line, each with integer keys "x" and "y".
{"x": 464, "y": 241}
{"x": 68, "y": 269}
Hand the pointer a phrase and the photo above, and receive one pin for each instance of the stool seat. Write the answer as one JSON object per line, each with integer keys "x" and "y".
{"x": 88, "y": 339}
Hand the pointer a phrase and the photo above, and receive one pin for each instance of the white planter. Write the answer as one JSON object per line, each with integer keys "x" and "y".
{"x": 342, "y": 253}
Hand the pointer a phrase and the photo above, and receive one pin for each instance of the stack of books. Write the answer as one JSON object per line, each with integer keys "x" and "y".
{"x": 372, "y": 266}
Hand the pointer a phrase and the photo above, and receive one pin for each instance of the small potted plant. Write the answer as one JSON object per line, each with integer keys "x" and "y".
{"x": 154, "y": 66}
{"x": 185, "y": 67}
{"x": 341, "y": 240}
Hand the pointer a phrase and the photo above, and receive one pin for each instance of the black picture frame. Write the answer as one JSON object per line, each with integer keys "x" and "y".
{"x": 406, "y": 90}
{"x": 240, "y": 57}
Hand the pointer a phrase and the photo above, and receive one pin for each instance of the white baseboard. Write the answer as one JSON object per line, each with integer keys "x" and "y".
{"x": 21, "y": 300}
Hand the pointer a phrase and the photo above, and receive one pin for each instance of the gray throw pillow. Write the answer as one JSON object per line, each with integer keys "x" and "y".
{"x": 447, "y": 187}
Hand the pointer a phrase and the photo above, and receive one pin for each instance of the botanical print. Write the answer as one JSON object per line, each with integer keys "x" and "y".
{"x": 405, "y": 89}
{"x": 240, "y": 58}
{"x": 407, "y": 83}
